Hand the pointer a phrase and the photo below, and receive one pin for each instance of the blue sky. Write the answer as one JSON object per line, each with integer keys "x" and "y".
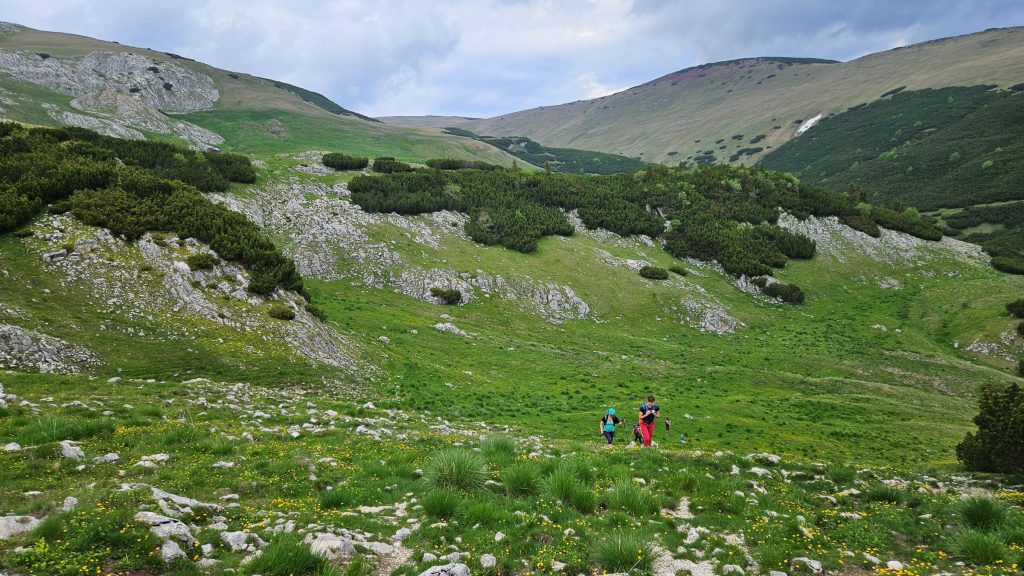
{"x": 488, "y": 57}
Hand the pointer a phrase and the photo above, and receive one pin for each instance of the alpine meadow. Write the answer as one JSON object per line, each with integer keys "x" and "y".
{"x": 246, "y": 328}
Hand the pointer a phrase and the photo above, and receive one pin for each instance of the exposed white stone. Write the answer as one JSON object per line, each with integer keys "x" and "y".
{"x": 14, "y": 525}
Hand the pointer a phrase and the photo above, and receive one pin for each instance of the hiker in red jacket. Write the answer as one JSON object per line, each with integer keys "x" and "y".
{"x": 649, "y": 411}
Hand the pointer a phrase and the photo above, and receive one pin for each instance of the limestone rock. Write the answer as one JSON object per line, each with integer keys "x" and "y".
{"x": 330, "y": 546}
{"x": 14, "y": 525}
{"x": 453, "y": 569}
{"x": 164, "y": 527}
{"x": 170, "y": 551}
{"x": 69, "y": 449}
{"x": 21, "y": 348}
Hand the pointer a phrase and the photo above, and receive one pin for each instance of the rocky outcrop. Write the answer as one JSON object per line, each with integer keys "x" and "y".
{"x": 334, "y": 239}
{"x": 124, "y": 92}
{"x": 150, "y": 283}
{"x": 26, "y": 349}
{"x": 836, "y": 240}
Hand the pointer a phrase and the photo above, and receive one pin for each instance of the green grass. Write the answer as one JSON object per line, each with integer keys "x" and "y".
{"x": 456, "y": 469}
{"x": 630, "y": 497}
{"x": 441, "y": 504}
{"x": 286, "y": 556}
{"x": 623, "y": 552}
{"x": 980, "y": 513}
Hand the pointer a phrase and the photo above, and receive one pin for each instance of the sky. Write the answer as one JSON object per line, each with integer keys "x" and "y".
{"x": 483, "y": 58}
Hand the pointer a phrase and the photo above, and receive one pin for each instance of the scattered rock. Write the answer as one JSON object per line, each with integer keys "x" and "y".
{"x": 453, "y": 569}
{"x": 805, "y": 563}
{"x": 164, "y": 527}
{"x": 237, "y": 541}
{"x": 69, "y": 504}
{"x": 108, "y": 458}
{"x": 14, "y": 525}
{"x": 69, "y": 449}
{"x": 330, "y": 546}
{"x": 170, "y": 551}
{"x": 488, "y": 561}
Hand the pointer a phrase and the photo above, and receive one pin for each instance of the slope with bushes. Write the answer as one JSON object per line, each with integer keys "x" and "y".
{"x": 718, "y": 110}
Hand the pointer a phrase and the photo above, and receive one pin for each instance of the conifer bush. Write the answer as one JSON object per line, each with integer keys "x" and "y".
{"x": 654, "y": 273}
{"x": 447, "y": 295}
{"x": 344, "y": 161}
{"x": 998, "y": 444}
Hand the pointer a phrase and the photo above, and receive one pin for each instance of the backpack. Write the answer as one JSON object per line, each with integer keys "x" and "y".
{"x": 609, "y": 423}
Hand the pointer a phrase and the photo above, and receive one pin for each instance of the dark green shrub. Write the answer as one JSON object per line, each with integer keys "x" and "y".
{"x": 788, "y": 293}
{"x": 859, "y": 221}
{"x": 344, "y": 161}
{"x": 677, "y": 269}
{"x": 1020, "y": 328}
{"x": 654, "y": 273}
{"x": 281, "y": 311}
{"x": 316, "y": 312}
{"x": 1008, "y": 265}
{"x": 388, "y": 165}
{"x": 1016, "y": 308}
{"x": 201, "y": 261}
{"x": 998, "y": 445}
{"x": 453, "y": 164}
{"x": 447, "y": 295}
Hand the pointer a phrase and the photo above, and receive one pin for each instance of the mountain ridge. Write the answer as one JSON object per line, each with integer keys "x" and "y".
{"x": 672, "y": 117}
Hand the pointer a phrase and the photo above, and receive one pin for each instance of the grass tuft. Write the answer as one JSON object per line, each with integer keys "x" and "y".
{"x": 287, "y": 555}
{"x": 441, "y": 504}
{"x": 623, "y": 552}
{"x": 632, "y": 498}
{"x": 521, "y": 479}
{"x": 456, "y": 469}
{"x": 980, "y": 548}
{"x": 981, "y": 513}
{"x": 499, "y": 449}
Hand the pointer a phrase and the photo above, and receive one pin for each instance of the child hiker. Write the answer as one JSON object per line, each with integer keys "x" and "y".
{"x": 608, "y": 423}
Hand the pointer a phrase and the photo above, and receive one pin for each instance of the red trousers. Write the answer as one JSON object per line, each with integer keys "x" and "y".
{"x": 647, "y": 431}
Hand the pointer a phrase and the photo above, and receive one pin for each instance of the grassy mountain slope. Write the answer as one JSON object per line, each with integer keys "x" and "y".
{"x": 253, "y": 115}
{"x": 930, "y": 149}
{"x": 429, "y": 121}
{"x": 723, "y": 108}
{"x": 876, "y": 372}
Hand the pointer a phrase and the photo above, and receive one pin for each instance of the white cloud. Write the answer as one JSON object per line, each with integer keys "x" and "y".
{"x": 485, "y": 57}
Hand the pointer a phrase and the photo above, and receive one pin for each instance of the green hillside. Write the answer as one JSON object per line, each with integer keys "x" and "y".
{"x": 252, "y": 114}
{"x": 558, "y": 159}
{"x": 243, "y": 361}
{"x": 932, "y": 149}
{"x": 721, "y": 109}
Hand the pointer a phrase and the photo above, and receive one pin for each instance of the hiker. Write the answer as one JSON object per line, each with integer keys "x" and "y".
{"x": 608, "y": 423}
{"x": 648, "y": 412}
{"x": 638, "y": 438}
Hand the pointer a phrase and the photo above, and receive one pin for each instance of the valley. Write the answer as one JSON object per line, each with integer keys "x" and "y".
{"x": 219, "y": 355}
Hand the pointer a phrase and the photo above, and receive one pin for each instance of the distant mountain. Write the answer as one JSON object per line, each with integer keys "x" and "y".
{"x": 737, "y": 111}
{"x": 426, "y": 121}
{"x": 51, "y": 79}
